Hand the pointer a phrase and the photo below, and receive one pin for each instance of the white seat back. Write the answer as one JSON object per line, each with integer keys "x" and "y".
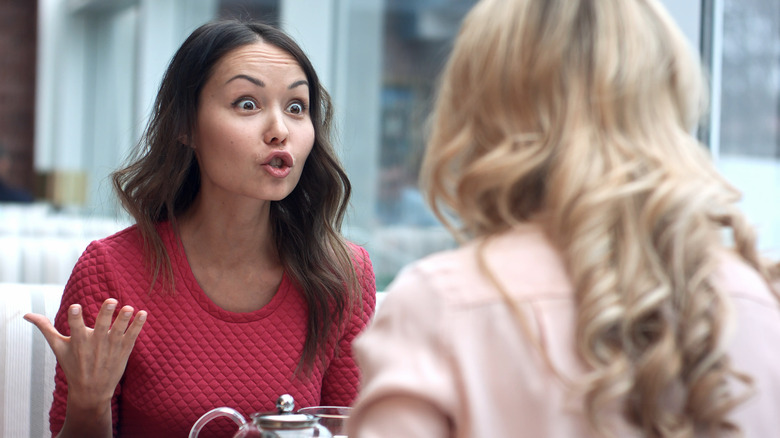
{"x": 26, "y": 361}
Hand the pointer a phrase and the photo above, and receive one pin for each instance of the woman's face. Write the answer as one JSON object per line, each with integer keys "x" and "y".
{"x": 254, "y": 131}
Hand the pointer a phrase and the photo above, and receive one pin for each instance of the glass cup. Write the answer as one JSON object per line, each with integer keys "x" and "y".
{"x": 334, "y": 418}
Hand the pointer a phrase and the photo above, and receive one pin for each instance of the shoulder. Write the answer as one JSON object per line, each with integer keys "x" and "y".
{"x": 359, "y": 255}
{"x": 366, "y": 279}
{"x": 130, "y": 241}
{"x": 126, "y": 240}
{"x": 118, "y": 254}
{"x": 753, "y": 338}
{"x": 363, "y": 266}
{"x": 741, "y": 281}
{"x": 523, "y": 259}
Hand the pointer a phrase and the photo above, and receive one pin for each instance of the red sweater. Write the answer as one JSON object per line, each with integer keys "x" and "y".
{"x": 193, "y": 356}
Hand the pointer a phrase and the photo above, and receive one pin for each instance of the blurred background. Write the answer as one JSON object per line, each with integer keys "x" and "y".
{"x": 78, "y": 79}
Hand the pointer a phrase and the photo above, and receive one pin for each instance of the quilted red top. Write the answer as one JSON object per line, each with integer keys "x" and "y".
{"x": 193, "y": 356}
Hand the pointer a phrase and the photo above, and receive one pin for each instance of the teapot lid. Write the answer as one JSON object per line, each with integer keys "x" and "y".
{"x": 284, "y": 418}
{"x": 284, "y": 421}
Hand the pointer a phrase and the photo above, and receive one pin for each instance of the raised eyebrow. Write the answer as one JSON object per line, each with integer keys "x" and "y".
{"x": 298, "y": 84}
{"x": 255, "y": 81}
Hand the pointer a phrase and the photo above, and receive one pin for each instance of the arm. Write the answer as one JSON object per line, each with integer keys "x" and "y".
{"x": 342, "y": 379}
{"x": 90, "y": 362}
{"x": 408, "y": 386}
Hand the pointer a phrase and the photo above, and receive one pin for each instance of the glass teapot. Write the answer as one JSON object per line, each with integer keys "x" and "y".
{"x": 280, "y": 424}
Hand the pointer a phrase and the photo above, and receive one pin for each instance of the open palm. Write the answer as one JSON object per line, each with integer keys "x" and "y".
{"x": 93, "y": 360}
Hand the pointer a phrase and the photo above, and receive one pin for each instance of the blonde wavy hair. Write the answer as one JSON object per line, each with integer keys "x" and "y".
{"x": 578, "y": 114}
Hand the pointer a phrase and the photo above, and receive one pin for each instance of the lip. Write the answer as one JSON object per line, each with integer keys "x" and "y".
{"x": 285, "y": 156}
{"x": 279, "y": 172}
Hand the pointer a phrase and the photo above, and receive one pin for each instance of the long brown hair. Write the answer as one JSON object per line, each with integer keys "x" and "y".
{"x": 163, "y": 178}
{"x": 580, "y": 112}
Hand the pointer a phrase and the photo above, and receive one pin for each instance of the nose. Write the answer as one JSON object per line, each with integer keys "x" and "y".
{"x": 276, "y": 130}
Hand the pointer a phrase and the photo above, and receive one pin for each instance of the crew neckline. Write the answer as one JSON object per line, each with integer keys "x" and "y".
{"x": 183, "y": 273}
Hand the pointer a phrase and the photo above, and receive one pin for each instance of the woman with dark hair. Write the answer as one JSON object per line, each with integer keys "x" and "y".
{"x": 249, "y": 289}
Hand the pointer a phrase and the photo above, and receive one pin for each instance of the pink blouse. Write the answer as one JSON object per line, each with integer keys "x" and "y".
{"x": 446, "y": 357}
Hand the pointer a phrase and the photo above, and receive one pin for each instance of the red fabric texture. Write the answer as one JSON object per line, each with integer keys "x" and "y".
{"x": 193, "y": 356}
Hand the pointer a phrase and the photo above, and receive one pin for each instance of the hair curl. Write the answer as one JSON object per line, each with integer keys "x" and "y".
{"x": 580, "y": 112}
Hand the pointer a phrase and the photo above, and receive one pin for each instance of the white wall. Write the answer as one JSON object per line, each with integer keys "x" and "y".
{"x": 100, "y": 63}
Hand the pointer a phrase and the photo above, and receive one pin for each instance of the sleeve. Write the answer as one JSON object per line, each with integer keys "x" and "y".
{"x": 408, "y": 387}
{"x": 342, "y": 378}
{"x": 90, "y": 283}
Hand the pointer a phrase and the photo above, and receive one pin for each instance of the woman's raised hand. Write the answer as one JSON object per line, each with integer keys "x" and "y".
{"x": 93, "y": 360}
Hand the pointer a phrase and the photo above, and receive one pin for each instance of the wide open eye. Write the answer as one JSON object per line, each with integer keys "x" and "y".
{"x": 296, "y": 108}
{"x": 245, "y": 104}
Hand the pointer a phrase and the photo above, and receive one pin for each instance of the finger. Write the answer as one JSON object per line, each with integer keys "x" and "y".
{"x": 121, "y": 322}
{"x": 105, "y": 315}
{"x": 52, "y": 336}
{"x": 76, "y": 321}
{"x": 135, "y": 328}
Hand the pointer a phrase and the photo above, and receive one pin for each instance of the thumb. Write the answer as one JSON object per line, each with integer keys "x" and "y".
{"x": 46, "y": 328}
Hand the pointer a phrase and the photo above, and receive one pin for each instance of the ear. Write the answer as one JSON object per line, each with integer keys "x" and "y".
{"x": 185, "y": 140}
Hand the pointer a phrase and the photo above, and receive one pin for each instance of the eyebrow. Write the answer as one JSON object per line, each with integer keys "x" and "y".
{"x": 260, "y": 83}
{"x": 297, "y": 84}
{"x": 255, "y": 81}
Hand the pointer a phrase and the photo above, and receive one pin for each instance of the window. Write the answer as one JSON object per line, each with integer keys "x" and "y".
{"x": 746, "y": 138}
{"x": 263, "y": 10}
{"x": 389, "y": 56}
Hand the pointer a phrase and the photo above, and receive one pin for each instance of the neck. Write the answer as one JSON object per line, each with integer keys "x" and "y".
{"x": 228, "y": 236}
{"x": 232, "y": 254}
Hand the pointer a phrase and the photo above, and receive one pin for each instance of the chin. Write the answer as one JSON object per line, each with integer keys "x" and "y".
{"x": 277, "y": 197}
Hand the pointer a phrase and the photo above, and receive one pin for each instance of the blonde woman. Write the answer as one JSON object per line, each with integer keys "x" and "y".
{"x": 595, "y": 293}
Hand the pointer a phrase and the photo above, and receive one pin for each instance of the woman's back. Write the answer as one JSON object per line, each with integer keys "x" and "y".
{"x": 470, "y": 358}
{"x": 577, "y": 115}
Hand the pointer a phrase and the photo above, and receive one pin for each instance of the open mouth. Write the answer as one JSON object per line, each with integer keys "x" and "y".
{"x": 279, "y": 160}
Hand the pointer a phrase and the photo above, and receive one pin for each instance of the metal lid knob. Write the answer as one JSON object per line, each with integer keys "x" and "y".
{"x": 285, "y": 404}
